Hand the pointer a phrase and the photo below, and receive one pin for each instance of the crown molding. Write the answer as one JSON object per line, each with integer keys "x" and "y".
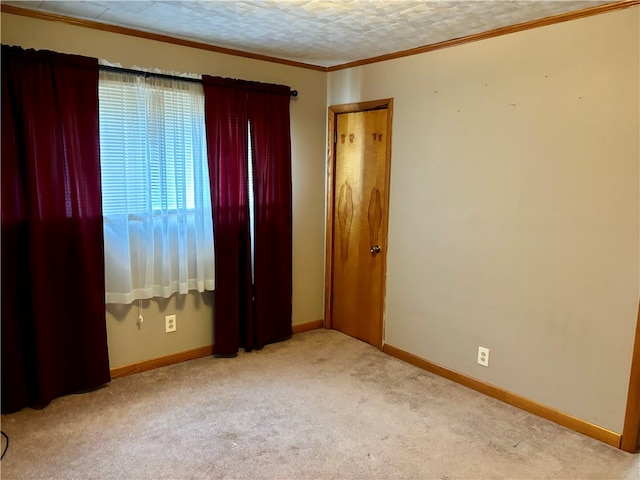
{"x": 564, "y": 17}
{"x": 52, "y": 17}
{"x": 542, "y": 22}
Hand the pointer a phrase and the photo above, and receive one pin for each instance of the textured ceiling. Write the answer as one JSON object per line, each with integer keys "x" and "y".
{"x": 319, "y": 32}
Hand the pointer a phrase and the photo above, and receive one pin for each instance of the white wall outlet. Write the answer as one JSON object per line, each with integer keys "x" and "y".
{"x": 483, "y": 356}
{"x": 170, "y": 323}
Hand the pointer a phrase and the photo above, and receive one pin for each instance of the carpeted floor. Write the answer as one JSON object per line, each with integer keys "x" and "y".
{"x": 321, "y": 405}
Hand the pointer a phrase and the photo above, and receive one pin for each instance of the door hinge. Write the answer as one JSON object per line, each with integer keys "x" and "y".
{"x": 335, "y": 136}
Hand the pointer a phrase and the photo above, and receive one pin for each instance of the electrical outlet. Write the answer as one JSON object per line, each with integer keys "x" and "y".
{"x": 170, "y": 323}
{"x": 483, "y": 356}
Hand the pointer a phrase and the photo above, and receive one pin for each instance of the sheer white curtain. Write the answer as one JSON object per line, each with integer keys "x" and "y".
{"x": 158, "y": 228}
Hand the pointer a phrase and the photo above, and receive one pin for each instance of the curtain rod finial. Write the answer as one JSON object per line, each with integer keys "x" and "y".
{"x": 294, "y": 93}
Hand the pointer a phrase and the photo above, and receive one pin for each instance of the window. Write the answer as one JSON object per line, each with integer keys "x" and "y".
{"x": 155, "y": 187}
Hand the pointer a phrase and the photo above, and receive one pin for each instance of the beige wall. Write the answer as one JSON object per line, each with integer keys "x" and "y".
{"x": 128, "y": 343}
{"x": 514, "y": 217}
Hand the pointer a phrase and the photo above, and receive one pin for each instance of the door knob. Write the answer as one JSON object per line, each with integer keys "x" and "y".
{"x": 375, "y": 249}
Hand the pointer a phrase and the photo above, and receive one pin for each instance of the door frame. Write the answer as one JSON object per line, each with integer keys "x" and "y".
{"x": 386, "y": 103}
{"x": 630, "y": 441}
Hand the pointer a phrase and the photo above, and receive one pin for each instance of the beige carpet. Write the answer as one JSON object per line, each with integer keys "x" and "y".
{"x": 321, "y": 405}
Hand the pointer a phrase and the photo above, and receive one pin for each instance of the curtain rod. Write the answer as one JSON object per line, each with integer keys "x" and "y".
{"x": 109, "y": 68}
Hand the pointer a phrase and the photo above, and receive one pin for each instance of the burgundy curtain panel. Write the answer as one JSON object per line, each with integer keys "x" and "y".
{"x": 53, "y": 312}
{"x": 226, "y": 120}
{"x": 250, "y": 313}
{"x": 271, "y": 149}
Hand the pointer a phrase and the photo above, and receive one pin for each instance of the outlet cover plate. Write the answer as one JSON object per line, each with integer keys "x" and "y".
{"x": 483, "y": 356}
{"x": 170, "y": 323}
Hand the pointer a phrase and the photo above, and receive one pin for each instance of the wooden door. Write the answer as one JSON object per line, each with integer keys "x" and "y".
{"x": 359, "y": 223}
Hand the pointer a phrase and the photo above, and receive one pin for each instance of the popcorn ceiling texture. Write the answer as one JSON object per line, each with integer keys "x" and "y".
{"x": 318, "y": 32}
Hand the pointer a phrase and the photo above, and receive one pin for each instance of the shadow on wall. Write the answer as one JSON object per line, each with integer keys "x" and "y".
{"x": 175, "y": 303}
{"x": 350, "y": 82}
